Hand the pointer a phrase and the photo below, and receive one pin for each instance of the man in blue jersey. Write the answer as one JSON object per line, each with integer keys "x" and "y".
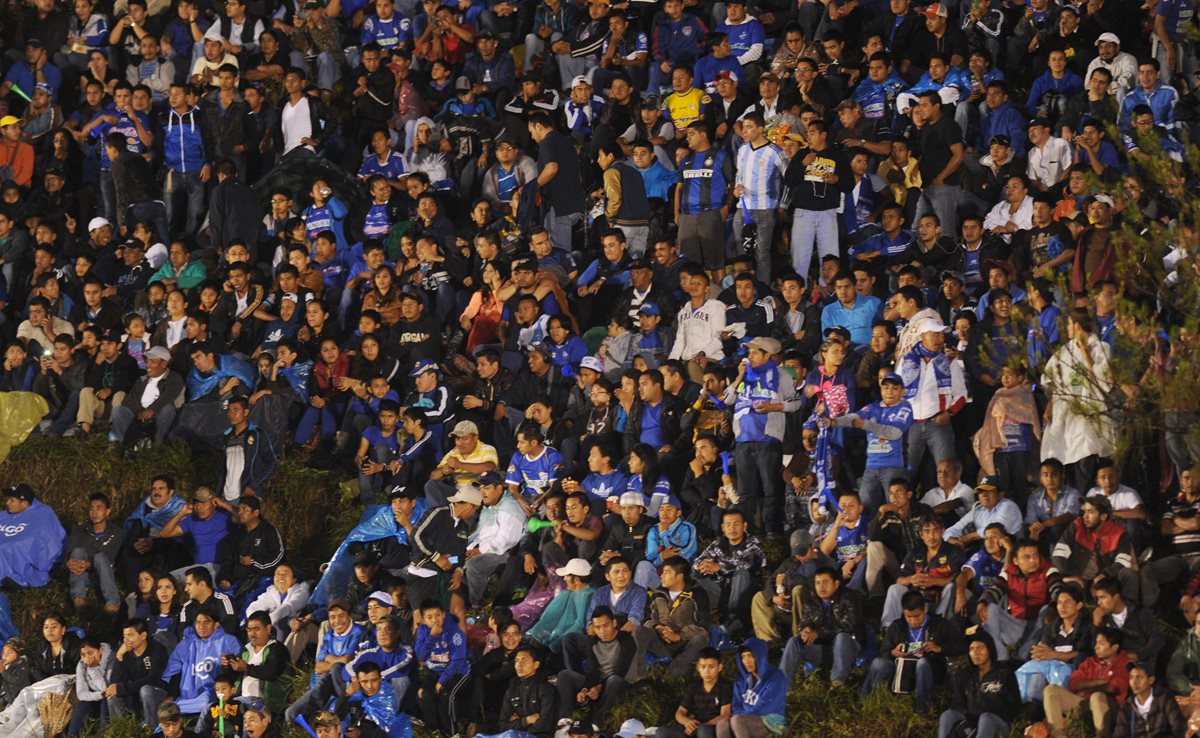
{"x": 885, "y": 422}
{"x": 761, "y": 394}
{"x": 534, "y": 469}
{"x": 702, "y": 200}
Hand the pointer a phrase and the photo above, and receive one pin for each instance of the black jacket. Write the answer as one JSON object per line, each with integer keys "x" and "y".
{"x": 133, "y": 181}
{"x": 1165, "y": 719}
{"x": 670, "y": 418}
{"x": 377, "y": 103}
{"x": 169, "y": 390}
{"x": 532, "y": 696}
{"x": 939, "y": 630}
{"x": 233, "y": 214}
{"x": 223, "y": 130}
{"x": 119, "y": 375}
{"x": 132, "y": 673}
{"x": 996, "y": 692}
{"x": 629, "y": 540}
{"x": 43, "y": 663}
{"x": 627, "y": 650}
{"x": 438, "y": 532}
{"x": 845, "y": 615}
{"x": 319, "y": 116}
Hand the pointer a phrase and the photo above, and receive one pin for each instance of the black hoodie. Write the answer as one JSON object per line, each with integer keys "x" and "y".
{"x": 996, "y": 692}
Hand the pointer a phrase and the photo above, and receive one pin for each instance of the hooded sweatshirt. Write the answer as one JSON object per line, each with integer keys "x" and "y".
{"x": 764, "y": 695}
{"x": 444, "y": 654}
{"x": 91, "y": 681}
{"x": 196, "y": 661}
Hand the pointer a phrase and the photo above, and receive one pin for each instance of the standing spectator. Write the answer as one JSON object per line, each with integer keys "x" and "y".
{"x": 702, "y": 199}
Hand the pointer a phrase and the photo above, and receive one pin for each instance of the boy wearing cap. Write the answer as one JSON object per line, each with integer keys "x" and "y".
{"x": 761, "y": 394}
{"x": 886, "y": 423}
{"x": 439, "y": 546}
{"x": 14, "y": 671}
{"x": 17, "y": 154}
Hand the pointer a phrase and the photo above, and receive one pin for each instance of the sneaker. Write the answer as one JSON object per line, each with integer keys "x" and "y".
{"x": 73, "y": 432}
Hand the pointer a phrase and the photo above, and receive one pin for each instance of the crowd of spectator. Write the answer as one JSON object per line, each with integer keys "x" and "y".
{"x": 689, "y": 343}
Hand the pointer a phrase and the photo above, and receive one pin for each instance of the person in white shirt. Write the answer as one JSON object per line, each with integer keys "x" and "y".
{"x": 149, "y": 407}
{"x": 1049, "y": 156}
{"x": 283, "y": 600}
{"x": 701, "y": 321}
{"x": 1013, "y": 213}
{"x": 1121, "y": 64}
{"x": 951, "y": 499}
{"x": 1127, "y": 507}
{"x": 501, "y": 527}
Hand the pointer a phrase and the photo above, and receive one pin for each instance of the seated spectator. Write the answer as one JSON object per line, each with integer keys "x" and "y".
{"x": 1011, "y": 609}
{"x": 1093, "y": 548}
{"x": 92, "y": 551}
{"x": 987, "y": 699}
{"x": 610, "y": 653}
{"x": 928, "y": 638}
{"x": 725, "y": 570}
{"x": 1097, "y": 686}
{"x": 930, "y": 569}
{"x": 677, "y": 621}
{"x": 1065, "y": 642}
{"x": 831, "y": 630}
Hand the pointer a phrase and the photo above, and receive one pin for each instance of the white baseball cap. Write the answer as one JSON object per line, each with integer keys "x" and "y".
{"x": 633, "y": 498}
{"x": 932, "y": 325}
{"x": 97, "y": 222}
{"x": 593, "y": 363}
{"x": 578, "y": 567}
{"x": 1110, "y": 37}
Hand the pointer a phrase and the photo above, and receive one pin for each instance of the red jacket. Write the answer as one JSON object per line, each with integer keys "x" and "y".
{"x": 1027, "y": 595}
{"x": 1115, "y": 671}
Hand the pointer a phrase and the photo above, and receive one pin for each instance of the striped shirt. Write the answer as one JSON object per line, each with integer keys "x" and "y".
{"x": 760, "y": 170}
{"x": 706, "y": 178}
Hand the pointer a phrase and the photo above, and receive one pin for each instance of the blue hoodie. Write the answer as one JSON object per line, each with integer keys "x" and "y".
{"x": 445, "y": 654}
{"x": 196, "y": 661}
{"x": 183, "y": 145}
{"x": 765, "y": 696}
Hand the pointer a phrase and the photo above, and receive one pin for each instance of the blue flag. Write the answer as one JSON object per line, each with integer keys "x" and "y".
{"x": 377, "y": 527}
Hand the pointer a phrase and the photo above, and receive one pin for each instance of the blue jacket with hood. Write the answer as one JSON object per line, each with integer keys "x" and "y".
{"x": 196, "y": 661}
{"x": 765, "y": 695}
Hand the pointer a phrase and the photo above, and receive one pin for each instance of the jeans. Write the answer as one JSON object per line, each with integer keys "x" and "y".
{"x": 569, "y": 684}
{"x": 839, "y": 653}
{"x": 873, "y": 486}
{"x": 1007, "y": 631}
{"x": 151, "y": 697}
{"x": 989, "y": 726}
{"x": 370, "y": 485}
{"x": 811, "y": 227}
{"x": 153, "y": 212}
{"x": 560, "y": 227}
{"x": 759, "y": 475}
{"x": 636, "y": 238}
{"x": 108, "y": 208}
{"x": 186, "y": 187}
{"x": 123, "y": 418}
{"x": 86, "y": 711}
{"x": 740, "y": 589}
{"x": 884, "y": 667}
{"x": 895, "y": 593}
{"x": 479, "y": 569}
{"x": 1165, "y": 571}
{"x": 102, "y": 568}
{"x": 764, "y": 224}
{"x": 938, "y": 439}
{"x": 943, "y": 201}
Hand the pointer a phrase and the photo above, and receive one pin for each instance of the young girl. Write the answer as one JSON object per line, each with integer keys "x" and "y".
{"x": 164, "y": 613}
{"x": 481, "y": 319}
{"x": 646, "y": 479}
{"x": 92, "y": 676}
{"x": 566, "y": 348}
{"x": 832, "y": 386}
{"x": 325, "y": 401}
{"x": 616, "y": 349}
{"x": 384, "y": 297}
{"x": 1006, "y": 441}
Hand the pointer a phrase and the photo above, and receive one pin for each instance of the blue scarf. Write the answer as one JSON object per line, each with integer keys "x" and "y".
{"x": 914, "y": 360}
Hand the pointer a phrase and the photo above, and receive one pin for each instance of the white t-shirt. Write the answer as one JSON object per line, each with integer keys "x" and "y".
{"x": 297, "y": 125}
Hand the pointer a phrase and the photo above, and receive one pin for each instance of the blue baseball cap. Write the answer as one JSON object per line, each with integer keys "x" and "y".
{"x": 673, "y": 500}
{"x": 649, "y": 308}
{"x": 425, "y": 365}
{"x": 892, "y": 377}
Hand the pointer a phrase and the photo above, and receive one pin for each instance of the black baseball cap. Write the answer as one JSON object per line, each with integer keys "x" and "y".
{"x": 20, "y": 491}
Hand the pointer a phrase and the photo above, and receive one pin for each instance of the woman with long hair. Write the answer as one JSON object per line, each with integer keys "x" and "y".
{"x": 646, "y": 477}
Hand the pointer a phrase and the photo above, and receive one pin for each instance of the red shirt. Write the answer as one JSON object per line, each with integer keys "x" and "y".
{"x": 1115, "y": 671}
